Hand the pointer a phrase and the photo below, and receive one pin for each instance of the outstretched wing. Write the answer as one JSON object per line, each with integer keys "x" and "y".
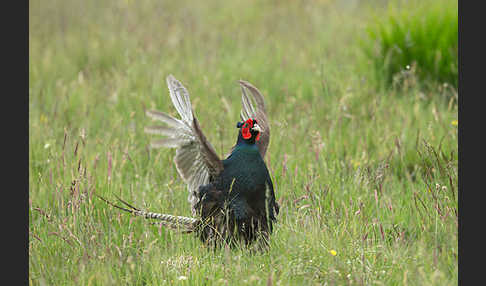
{"x": 259, "y": 113}
{"x": 195, "y": 159}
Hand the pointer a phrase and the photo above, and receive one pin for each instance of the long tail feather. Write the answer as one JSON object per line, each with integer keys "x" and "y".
{"x": 127, "y": 204}
{"x": 185, "y": 224}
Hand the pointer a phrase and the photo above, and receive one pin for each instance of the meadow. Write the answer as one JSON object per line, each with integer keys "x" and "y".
{"x": 365, "y": 172}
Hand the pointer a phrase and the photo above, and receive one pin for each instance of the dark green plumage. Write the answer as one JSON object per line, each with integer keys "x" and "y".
{"x": 242, "y": 195}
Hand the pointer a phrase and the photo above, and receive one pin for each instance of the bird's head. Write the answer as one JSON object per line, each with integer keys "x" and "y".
{"x": 249, "y": 130}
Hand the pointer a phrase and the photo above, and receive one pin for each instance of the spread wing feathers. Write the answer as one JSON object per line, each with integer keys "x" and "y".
{"x": 196, "y": 160}
{"x": 259, "y": 113}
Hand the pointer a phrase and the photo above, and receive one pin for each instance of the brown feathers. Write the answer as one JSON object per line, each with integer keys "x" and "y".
{"x": 260, "y": 114}
{"x": 196, "y": 160}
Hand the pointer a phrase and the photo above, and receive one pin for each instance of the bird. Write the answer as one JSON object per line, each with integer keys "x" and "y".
{"x": 233, "y": 199}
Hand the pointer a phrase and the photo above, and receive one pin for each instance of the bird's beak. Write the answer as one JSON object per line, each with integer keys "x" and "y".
{"x": 256, "y": 127}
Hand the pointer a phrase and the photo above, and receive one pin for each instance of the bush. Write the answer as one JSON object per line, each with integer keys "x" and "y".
{"x": 413, "y": 33}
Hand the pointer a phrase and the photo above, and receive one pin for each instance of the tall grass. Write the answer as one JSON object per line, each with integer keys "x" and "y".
{"x": 366, "y": 179}
{"x": 420, "y": 35}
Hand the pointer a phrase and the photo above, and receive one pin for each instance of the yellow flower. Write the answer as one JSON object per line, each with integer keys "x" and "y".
{"x": 43, "y": 118}
{"x": 454, "y": 122}
{"x": 333, "y": 252}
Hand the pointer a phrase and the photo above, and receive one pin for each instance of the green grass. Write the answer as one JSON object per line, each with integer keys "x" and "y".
{"x": 421, "y": 36}
{"x": 355, "y": 167}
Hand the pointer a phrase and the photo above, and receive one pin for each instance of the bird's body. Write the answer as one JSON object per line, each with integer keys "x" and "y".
{"x": 233, "y": 199}
{"x": 251, "y": 178}
{"x": 243, "y": 195}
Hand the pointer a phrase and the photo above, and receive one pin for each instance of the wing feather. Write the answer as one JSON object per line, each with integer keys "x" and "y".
{"x": 180, "y": 98}
{"x": 169, "y": 143}
{"x": 196, "y": 160}
{"x": 259, "y": 113}
{"x": 167, "y": 119}
{"x": 161, "y": 130}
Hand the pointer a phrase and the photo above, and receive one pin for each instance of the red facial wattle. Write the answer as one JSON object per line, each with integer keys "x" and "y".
{"x": 245, "y": 131}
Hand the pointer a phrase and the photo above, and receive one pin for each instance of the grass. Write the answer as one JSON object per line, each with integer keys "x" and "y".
{"x": 366, "y": 177}
{"x": 418, "y": 35}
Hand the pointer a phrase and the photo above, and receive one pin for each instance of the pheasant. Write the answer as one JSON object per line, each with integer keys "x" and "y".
{"x": 232, "y": 200}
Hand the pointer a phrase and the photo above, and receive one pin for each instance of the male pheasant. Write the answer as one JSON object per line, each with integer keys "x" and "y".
{"x": 233, "y": 200}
